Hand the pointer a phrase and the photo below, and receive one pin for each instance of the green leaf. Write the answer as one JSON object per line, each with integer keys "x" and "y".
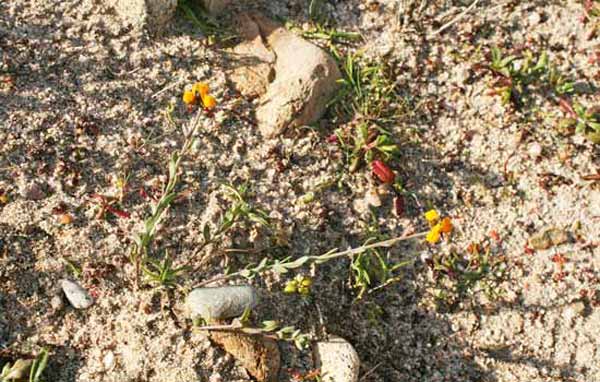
{"x": 206, "y": 232}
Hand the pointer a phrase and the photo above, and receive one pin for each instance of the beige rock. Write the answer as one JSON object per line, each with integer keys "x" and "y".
{"x": 305, "y": 76}
{"x": 254, "y": 62}
{"x": 337, "y": 360}
{"x": 547, "y": 238}
{"x": 151, "y": 14}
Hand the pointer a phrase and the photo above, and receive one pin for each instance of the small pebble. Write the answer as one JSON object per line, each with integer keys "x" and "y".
{"x": 372, "y": 197}
{"x": 220, "y": 303}
{"x": 77, "y": 296}
{"x": 56, "y": 303}
{"x": 535, "y": 150}
{"x": 109, "y": 361}
{"x": 32, "y": 191}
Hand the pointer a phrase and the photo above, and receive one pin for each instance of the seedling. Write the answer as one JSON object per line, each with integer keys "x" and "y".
{"x": 108, "y": 204}
{"x": 457, "y": 275}
{"x": 365, "y": 144}
{"x": 586, "y": 121}
{"x": 162, "y": 273}
{"x": 367, "y": 89}
{"x": 372, "y": 265}
{"x": 514, "y": 75}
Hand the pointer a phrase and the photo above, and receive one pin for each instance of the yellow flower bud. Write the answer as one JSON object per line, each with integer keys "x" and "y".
{"x": 291, "y": 287}
{"x": 434, "y": 234}
{"x": 432, "y": 216}
{"x": 189, "y": 97}
{"x": 209, "y": 102}
{"x": 306, "y": 282}
{"x": 200, "y": 88}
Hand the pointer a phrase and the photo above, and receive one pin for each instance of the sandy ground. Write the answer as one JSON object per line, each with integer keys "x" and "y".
{"x": 81, "y": 105}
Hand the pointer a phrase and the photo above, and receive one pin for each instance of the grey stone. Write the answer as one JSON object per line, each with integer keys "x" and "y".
{"x": 221, "y": 302}
{"x": 76, "y": 294}
{"x": 337, "y": 360}
{"x": 32, "y": 191}
{"x": 153, "y": 15}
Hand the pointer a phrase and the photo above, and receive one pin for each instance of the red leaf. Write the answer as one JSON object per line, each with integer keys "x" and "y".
{"x": 118, "y": 212}
{"x": 383, "y": 172}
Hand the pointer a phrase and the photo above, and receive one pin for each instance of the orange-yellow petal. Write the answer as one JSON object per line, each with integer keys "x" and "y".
{"x": 200, "y": 88}
{"x": 432, "y": 216}
{"x": 209, "y": 102}
{"x": 446, "y": 225}
{"x": 433, "y": 236}
{"x": 189, "y": 97}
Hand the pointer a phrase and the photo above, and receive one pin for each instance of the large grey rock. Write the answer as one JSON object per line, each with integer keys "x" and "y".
{"x": 220, "y": 303}
{"x": 305, "y": 76}
{"x": 76, "y": 294}
{"x": 153, "y": 15}
{"x": 337, "y": 360}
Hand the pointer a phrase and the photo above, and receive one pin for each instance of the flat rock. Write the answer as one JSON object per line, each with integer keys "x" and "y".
{"x": 257, "y": 354}
{"x": 221, "y": 302}
{"x": 153, "y": 15}
{"x": 337, "y": 360}
{"x": 548, "y": 237}
{"x": 302, "y": 80}
{"x": 76, "y": 294}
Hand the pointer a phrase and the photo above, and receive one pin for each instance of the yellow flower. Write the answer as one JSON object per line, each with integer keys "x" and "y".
{"x": 200, "y": 88}
{"x": 432, "y": 216}
{"x": 291, "y": 287}
{"x": 446, "y": 225}
{"x": 189, "y": 97}
{"x": 3, "y": 199}
{"x": 209, "y": 102}
{"x": 433, "y": 236}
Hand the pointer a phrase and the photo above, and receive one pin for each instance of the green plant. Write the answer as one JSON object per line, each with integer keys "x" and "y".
{"x": 331, "y": 35}
{"x": 585, "y": 120}
{"x": 372, "y": 265}
{"x": 588, "y": 122}
{"x": 239, "y": 211}
{"x": 365, "y": 144}
{"x": 285, "y": 265}
{"x": 457, "y": 275}
{"x": 141, "y": 241}
{"x": 367, "y": 89}
{"x": 18, "y": 370}
{"x": 206, "y": 24}
{"x": 271, "y": 329}
{"x": 516, "y": 73}
{"x": 162, "y": 273}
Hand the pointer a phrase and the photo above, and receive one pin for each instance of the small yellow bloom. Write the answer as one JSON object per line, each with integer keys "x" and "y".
{"x": 65, "y": 219}
{"x": 306, "y": 282}
{"x": 432, "y": 216}
{"x": 200, "y": 88}
{"x": 189, "y": 97}
{"x": 434, "y": 234}
{"x": 3, "y": 199}
{"x": 209, "y": 102}
{"x": 446, "y": 225}
{"x": 291, "y": 287}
